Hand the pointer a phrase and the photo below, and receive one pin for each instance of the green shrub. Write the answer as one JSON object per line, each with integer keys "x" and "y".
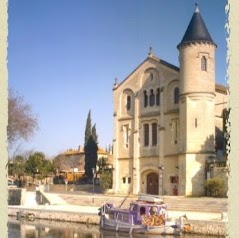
{"x": 106, "y": 180}
{"x": 215, "y": 186}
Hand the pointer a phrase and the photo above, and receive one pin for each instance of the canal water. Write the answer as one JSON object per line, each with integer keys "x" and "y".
{"x": 53, "y": 229}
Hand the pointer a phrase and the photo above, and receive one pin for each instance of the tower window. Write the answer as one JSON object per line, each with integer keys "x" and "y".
{"x": 128, "y": 103}
{"x": 174, "y": 129}
{"x": 151, "y": 76}
{"x": 126, "y": 135}
{"x": 154, "y": 134}
{"x": 158, "y": 97}
{"x": 176, "y": 95}
{"x": 203, "y": 63}
{"x": 151, "y": 98}
{"x": 196, "y": 122}
{"x": 145, "y": 99}
{"x": 146, "y": 134}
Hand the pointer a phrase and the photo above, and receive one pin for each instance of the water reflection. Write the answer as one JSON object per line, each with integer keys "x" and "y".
{"x": 52, "y": 229}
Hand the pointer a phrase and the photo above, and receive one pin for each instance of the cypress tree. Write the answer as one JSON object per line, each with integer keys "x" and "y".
{"x": 90, "y": 147}
{"x": 88, "y": 128}
{"x": 91, "y": 157}
{"x": 94, "y": 134}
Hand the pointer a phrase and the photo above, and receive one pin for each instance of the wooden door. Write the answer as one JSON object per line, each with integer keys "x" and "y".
{"x": 152, "y": 184}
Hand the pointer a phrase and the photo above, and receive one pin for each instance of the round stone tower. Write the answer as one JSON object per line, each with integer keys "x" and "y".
{"x": 197, "y": 103}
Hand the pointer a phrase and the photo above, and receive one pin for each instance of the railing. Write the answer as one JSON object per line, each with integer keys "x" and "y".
{"x": 216, "y": 164}
{"x": 220, "y": 164}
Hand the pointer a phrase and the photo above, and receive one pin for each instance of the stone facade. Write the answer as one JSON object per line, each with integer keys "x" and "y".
{"x": 75, "y": 158}
{"x": 165, "y": 118}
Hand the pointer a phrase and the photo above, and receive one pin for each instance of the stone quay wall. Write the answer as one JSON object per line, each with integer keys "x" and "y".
{"x": 214, "y": 228}
{"x": 45, "y": 214}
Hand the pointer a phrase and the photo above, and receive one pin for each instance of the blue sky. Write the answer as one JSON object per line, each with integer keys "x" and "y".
{"x": 63, "y": 57}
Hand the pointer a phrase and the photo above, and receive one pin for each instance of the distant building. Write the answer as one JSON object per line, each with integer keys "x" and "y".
{"x": 168, "y": 120}
{"x": 75, "y": 158}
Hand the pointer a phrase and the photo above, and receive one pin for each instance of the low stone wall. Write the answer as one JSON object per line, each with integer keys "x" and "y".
{"x": 55, "y": 215}
{"x": 16, "y": 196}
{"x": 40, "y": 198}
{"x": 214, "y": 228}
{"x": 88, "y": 188}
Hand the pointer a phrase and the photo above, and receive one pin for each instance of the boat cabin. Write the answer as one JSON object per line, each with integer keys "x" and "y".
{"x": 137, "y": 211}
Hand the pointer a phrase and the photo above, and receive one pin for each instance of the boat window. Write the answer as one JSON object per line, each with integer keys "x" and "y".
{"x": 125, "y": 218}
{"x": 142, "y": 211}
{"x": 153, "y": 210}
{"x": 133, "y": 207}
{"x": 111, "y": 215}
{"x": 119, "y": 217}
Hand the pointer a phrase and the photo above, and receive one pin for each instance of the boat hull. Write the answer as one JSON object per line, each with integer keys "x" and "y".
{"x": 112, "y": 225}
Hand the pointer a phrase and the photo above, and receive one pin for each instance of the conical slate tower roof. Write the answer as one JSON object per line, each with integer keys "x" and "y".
{"x": 196, "y": 31}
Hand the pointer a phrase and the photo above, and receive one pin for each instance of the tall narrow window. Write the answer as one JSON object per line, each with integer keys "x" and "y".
{"x": 154, "y": 134}
{"x": 196, "y": 122}
{"x": 145, "y": 99}
{"x": 151, "y": 76}
{"x": 126, "y": 135}
{"x": 128, "y": 103}
{"x": 203, "y": 63}
{"x": 174, "y": 130}
{"x": 176, "y": 95}
{"x": 158, "y": 97}
{"x": 146, "y": 134}
{"x": 151, "y": 98}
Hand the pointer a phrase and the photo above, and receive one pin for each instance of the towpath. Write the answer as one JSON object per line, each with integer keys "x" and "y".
{"x": 203, "y": 208}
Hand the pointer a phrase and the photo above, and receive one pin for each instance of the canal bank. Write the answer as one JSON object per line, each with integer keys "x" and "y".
{"x": 201, "y": 223}
{"x": 207, "y": 216}
{"x": 89, "y": 215}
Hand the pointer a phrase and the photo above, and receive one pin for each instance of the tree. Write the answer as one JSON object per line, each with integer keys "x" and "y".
{"x": 106, "y": 180}
{"x": 90, "y": 147}
{"x": 37, "y": 163}
{"x": 16, "y": 167}
{"x": 226, "y": 130}
{"x": 88, "y": 130}
{"x": 47, "y": 167}
{"x": 215, "y": 186}
{"x": 94, "y": 134}
{"x": 22, "y": 123}
{"x": 102, "y": 164}
{"x": 91, "y": 157}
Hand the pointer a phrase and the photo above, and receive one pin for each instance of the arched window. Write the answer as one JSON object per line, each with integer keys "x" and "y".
{"x": 145, "y": 98}
{"x": 154, "y": 134}
{"x": 176, "y": 95}
{"x": 203, "y": 63}
{"x": 151, "y": 98}
{"x": 158, "y": 97}
{"x": 146, "y": 134}
{"x": 128, "y": 103}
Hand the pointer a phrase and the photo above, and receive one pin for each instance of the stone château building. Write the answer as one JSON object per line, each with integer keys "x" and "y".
{"x": 75, "y": 158}
{"x": 168, "y": 119}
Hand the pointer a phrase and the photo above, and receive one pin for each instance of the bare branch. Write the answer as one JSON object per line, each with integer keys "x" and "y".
{"x": 22, "y": 123}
